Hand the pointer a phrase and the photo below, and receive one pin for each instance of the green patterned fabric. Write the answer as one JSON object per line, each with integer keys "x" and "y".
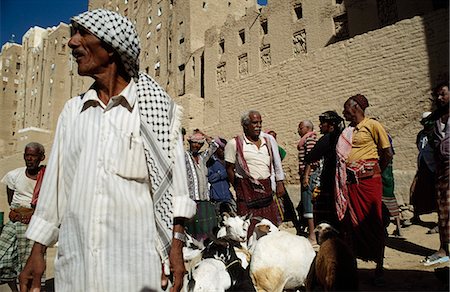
{"x": 14, "y": 250}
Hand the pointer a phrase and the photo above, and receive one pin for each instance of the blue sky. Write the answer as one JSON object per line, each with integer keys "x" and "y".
{"x": 17, "y": 16}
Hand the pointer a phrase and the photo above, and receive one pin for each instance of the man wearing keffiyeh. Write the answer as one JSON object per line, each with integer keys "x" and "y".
{"x": 363, "y": 152}
{"x": 114, "y": 194}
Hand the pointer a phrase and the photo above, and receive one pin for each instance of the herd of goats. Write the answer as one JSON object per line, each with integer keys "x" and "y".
{"x": 270, "y": 260}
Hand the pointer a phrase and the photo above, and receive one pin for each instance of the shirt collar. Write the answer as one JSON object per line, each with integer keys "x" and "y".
{"x": 261, "y": 137}
{"x": 362, "y": 123}
{"x": 127, "y": 98}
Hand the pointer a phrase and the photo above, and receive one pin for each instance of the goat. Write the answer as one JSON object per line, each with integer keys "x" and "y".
{"x": 235, "y": 229}
{"x": 280, "y": 260}
{"x": 208, "y": 275}
{"x": 334, "y": 268}
{"x": 262, "y": 228}
{"x": 192, "y": 248}
{"x": 220, "y": 250}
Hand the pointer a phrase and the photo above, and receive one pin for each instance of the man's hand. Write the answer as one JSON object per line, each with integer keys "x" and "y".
{"x": 305, "y": 181}
{"x": 30, "y": 277}
{"x": 177, "y": 268}
{"x": 280, "y": 189}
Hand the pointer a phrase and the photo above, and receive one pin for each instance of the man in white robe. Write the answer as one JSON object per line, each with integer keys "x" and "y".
{"x": 114, "y": 194}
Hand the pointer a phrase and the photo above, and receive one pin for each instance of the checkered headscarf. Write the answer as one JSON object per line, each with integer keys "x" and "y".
{"x": 118, "y": 32}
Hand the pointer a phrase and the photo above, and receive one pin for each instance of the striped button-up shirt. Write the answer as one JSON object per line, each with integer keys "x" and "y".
{"x": 96, "y": 198}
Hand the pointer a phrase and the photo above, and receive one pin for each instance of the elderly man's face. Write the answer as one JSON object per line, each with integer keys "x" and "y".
{"x": 32, "y": 158}
{"x": 349, "y": 110}
{"x": 302, "y": 129}
{"x": 442, "y": 96}
{"x": 253, "y": 129}
{"x": 91, "y": 56}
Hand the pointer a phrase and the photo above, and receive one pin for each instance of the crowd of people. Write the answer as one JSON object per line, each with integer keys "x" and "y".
{"x": 120, "y": 190}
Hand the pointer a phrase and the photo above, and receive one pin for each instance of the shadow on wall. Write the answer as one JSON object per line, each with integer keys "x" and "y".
{"x": 436, "y": 32}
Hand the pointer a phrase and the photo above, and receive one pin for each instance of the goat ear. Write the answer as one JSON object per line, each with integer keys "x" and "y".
{"x": 225, "y": 217}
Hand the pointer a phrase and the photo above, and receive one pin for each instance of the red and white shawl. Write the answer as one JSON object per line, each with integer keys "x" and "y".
{"x": 343, "y": 148}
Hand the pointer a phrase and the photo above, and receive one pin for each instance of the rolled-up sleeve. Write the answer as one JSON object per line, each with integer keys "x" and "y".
{"x": 183, "y": 205}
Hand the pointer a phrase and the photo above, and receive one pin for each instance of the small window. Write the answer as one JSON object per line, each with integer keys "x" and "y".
{"x": 149, "y": 20}
{"x": 181, "y": 40}
{"x": 221, "y": 46}
{"x": 17, "y": 66}
{"x": 242, "y": 36}
{"x": 158, "y": 26}
{"x": 157, "y": 68}
{"x": 298, "y": 11}
{"x": 149, "y": 34}
{"x": 264, "y": 26}
{"x": 205, "y": 5}
{"x": 159, "y": 11}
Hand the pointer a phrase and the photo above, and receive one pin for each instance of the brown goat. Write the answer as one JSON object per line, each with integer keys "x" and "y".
{"x": 334, "y": 268}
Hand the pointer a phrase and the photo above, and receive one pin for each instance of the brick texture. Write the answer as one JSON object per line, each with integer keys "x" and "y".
{"x": 395, "y": 67}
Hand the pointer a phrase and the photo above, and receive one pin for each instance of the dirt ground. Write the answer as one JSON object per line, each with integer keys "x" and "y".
{"x": 403, "y": 269}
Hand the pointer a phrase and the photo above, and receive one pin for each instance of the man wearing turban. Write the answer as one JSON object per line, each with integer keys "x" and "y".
{"x": 363, "y": 152}
{"x": 114, "y": 194}
{"x": 197, "y": 176}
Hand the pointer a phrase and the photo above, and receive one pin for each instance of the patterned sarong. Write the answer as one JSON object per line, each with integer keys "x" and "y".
{"x": 203, "y": 222}
{"x": 443, "y": 200}
{"x": 15, "y": 249}
{"x": 389, "y": 199}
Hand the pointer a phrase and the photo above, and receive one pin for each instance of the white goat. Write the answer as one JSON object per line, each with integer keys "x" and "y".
{"x": 209, "y": 275}
{"x": 262, "y": 228}
{"x": 280, "y": 260}
{"x": 235, "y": 228}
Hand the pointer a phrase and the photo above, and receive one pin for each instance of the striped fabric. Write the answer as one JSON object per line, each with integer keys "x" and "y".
{"x": 305, "y": 145}
{"x": 96, "y": 198}
{"x": 388, "y": 198}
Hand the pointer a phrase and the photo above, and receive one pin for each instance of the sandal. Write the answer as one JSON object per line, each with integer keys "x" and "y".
{"x": 434, "y": 259}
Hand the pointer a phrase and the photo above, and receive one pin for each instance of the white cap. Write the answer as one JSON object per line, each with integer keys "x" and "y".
{"x": 425, "y": 114}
